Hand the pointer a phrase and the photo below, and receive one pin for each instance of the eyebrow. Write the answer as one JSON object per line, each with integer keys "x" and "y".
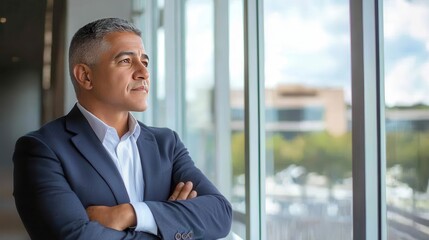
{"x": 129, "y": 53}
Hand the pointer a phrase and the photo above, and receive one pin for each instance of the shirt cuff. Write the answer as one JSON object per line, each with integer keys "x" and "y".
{"x": 145, "y": 220}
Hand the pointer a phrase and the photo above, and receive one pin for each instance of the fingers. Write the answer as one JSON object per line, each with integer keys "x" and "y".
{"x": 186, "y": 190}
{"x": 192, "y": 194}
{"x": 183, "y": 191}
{"x": 176, "y": 192}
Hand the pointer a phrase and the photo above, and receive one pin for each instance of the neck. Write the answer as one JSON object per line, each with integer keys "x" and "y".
{"x": 115, "y": 119}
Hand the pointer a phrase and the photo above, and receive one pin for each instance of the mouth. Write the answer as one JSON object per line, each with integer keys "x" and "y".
{"x": 144, "y": 87}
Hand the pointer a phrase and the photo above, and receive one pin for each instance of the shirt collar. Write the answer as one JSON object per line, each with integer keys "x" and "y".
{"x": 100, "y": 128}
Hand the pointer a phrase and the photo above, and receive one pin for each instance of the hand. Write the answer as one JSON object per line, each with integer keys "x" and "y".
{"x": 119, "y": 217}
{"x": 183, "y": 191}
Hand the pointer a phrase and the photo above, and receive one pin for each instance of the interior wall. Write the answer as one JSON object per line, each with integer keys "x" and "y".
{"x": 20, "y": 105}
{"x": 20, "y": 98}
{"x": 21, "y": 55}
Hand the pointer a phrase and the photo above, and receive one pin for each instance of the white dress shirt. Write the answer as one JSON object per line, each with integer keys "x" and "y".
{"x": 125, "y": 155}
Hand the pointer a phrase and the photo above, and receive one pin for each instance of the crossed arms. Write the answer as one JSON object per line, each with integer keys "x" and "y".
{"x": 122, "y": 216}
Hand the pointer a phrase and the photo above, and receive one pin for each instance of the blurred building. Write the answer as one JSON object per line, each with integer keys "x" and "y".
{"x": 413, "y": 118}
{"x": 294, "y": 109}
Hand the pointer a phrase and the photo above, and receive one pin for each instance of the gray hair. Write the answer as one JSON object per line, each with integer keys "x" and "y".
{"x": 87, "y": 41}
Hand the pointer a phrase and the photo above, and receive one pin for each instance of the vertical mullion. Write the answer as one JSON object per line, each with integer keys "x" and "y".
{"x": 222, "y": 97}
{"x": 381, "y": 122}
{"x": 254, "y": 115}
{"x": 174, "y": 67}
{"x": 152, "y": 36}
{"x": 261, "y": 104}
{"x": 367, "y": 121}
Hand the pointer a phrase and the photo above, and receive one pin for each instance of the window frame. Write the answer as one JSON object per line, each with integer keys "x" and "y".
{"x": 368, "y": 120}
{"x": 254, "y": 119}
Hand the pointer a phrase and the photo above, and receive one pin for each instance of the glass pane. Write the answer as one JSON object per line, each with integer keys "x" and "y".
{"x": 236, "y": 66}
{"x": 199, "y": 74}
{"x": 200, "y": 125}
{"x": 406, "y": 59}
{"x": 307, "y": 127}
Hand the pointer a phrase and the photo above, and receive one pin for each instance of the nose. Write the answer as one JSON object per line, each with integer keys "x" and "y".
{"x": 141, "y": 72}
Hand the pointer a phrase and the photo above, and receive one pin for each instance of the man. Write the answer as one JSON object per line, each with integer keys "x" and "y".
{"x": 97, "y": 173}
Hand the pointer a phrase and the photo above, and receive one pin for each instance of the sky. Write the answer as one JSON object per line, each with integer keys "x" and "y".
{"x": 406, "y": 41}
{"x": 308, "y": 42}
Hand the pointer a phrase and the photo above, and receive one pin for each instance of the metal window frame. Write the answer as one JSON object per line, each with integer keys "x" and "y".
{"x": 223, "y": 174}
{"x": 254, "y": 118}
{"x": 174, "y": 23}
{"x": 368, "y": 136}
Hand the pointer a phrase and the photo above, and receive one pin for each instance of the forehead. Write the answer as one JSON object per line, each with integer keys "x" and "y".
{"x": 120, "y": 41}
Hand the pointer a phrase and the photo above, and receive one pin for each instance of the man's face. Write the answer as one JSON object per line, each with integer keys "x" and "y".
{"x": 120, "y": 78}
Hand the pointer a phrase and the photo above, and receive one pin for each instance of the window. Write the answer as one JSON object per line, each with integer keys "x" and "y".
{"x": 199, "y": 123}
{"x": 308, "y": 145}
{"x": 406, "y": 48}
{"x": 214, "y": 126}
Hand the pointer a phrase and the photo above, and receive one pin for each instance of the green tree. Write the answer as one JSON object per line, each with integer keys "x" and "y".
{"x": 318, "y": 152}
{"x": 237, "y": 153}
{"x": 328, "y": 155}
{"x": 284, "y": 152}
{"x": 410, "y": 150}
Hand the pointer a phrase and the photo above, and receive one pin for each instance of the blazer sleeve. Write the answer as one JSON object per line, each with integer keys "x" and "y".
{"x": 208, "y": 216}
{"x": 45, "y": 202}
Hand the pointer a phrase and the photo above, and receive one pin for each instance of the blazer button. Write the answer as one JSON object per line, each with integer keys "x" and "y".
{"x": 178, "y": 236}
{"x": 190, "y": 235}
{"x": 184, "y": 236}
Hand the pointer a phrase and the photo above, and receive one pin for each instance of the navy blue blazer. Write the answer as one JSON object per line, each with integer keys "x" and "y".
{"x": 63, "y": 168}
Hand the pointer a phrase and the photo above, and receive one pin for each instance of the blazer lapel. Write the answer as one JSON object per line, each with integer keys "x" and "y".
{"x": 91, "y": 148}
{"x": 150, "y": 159}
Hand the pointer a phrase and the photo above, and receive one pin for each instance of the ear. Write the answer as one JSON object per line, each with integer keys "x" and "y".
{"x": 82, "y": 74}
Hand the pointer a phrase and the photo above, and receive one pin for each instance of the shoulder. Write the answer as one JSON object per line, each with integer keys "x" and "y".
{"x": 40, "y": 142}
{"x": 51, "y": 130}
{"x": 68, "y": 125}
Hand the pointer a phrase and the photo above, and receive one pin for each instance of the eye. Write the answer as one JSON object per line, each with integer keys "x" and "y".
{"x": 145, "y": 63}
{"x": 126, "y": 60}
